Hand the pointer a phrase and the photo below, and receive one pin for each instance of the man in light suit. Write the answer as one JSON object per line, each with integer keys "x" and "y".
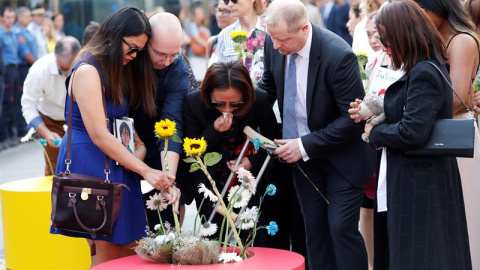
{"x": 325, "y": 142}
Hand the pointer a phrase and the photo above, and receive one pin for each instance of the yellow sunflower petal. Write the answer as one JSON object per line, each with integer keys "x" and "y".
{"x": 194, "y": 147}
{"x": 165, "y": 128}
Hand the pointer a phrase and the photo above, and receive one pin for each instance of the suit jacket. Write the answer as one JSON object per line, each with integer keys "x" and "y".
{"x": 333, "y": 82}
{"x": 426, "y": 216}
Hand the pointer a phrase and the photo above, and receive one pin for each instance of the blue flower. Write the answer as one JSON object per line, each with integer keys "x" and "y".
{"x": 271, "y": 190}
{"x": 272, "y": 228}
{"x": 57, "y": 142}
{"x": 256, "y": 144}
{"x": 43, "y": 142}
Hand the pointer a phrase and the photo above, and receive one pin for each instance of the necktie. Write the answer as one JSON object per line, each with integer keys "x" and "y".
{"x": 289, "y": 120}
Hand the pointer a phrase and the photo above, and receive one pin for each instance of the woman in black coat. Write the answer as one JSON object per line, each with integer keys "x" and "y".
{"x": 219, "y": 112}
{"x": 426, "y": 222}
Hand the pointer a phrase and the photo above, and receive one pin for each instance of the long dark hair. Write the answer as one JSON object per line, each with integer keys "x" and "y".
{"x": 411, "y": 40}
{"x": 223, "y": 75}
{"x": 453, "y": 13}
{"x": 135, "y": 81}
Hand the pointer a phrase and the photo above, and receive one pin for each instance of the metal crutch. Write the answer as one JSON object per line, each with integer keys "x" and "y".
{"x": 229, "y": 180}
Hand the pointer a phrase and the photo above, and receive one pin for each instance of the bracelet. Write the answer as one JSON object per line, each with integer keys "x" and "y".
{"x": 138, "y": 144}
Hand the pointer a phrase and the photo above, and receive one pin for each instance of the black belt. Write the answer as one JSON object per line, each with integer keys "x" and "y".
{"x": 13, "y": 65}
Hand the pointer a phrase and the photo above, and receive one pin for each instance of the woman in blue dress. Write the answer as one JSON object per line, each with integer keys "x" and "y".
{"x": 113, "y": 61}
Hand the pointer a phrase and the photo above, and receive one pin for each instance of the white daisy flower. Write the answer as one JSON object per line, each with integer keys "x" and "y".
{"x": 229, "y": 257}
{"x": 29, "y": 135}
{"x": 249, "y": 214}
{"x": 157, "y": 227}
{"x": 208, "y": 229}
{"x": 207, "y": 193}
{"x": 247, "y": 224}
{"x": 246, "y": 178}
{"x": 156, "y": 202}
{"x": 239, "y": 195}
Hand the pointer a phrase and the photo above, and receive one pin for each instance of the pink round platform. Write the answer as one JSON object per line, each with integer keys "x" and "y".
{"x": 265, "y": 258}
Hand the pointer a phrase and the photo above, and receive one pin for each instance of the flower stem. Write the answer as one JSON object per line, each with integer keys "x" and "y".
{"x": 315, "y": 187}
{"x": 161, "y": 222}
{"x": 48, "y": 158}
{"x": 214, "y": 187}
{"x": 196, "y": 216}
{"x": 170, "y": 190}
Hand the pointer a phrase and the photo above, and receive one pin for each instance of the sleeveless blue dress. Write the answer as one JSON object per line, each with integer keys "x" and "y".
{"x": 88, "y": 159}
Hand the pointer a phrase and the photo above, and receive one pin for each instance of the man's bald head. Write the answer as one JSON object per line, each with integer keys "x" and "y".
{"x": 166, "y": 26}
{"x": 166, "y": 40}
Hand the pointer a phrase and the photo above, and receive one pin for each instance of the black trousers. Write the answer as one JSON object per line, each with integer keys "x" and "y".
{"x": 333, "y": 238}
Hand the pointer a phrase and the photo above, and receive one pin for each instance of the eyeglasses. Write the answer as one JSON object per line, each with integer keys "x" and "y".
{"x": 223, "y": 11}
{"x": 237, "y": 104}
{"x": 227, "y": 1}
{"x": 164, "y": 55}
{"x": 132, "y": 49}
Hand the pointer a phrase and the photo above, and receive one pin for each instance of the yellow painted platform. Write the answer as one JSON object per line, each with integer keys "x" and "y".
{"x": 26, "y": 207}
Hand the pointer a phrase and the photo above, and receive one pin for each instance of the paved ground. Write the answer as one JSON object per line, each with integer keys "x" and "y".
{"x": 25, "y": 161}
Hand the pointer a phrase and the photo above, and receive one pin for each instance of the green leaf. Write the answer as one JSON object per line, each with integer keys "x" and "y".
{"x": 175, "y": 138}
{"x": 190, "y": 160}
{"x": 194, "y": 167}
{"x": 211, "y": 159}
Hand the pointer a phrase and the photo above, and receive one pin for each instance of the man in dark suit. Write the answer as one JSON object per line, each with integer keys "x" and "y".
{"x": 317, "y": 131}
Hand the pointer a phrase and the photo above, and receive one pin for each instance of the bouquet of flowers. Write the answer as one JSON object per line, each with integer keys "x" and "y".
{"x": 238, "y": 197}
{"x": 169, "y": 245}
{"x": 250, "y": 51}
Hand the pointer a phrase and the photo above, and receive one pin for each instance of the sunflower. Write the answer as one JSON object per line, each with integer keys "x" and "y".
{"x": 194, "y": 147}
{"x": 165, "y": 128}
{"x": 239, "y": 36}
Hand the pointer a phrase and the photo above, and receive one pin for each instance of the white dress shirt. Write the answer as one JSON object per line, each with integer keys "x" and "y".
{"x": 301, "y": 63}
{"x": 43, "y": 91}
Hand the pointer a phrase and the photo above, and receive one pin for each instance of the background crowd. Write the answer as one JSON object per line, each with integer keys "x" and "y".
{"x": 299, "y": 85}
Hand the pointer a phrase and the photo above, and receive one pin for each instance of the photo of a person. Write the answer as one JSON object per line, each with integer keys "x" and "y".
{"x": 125, "y": 132}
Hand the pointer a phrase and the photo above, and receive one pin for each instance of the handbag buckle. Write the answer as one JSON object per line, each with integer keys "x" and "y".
{"x": 85, "y": 193}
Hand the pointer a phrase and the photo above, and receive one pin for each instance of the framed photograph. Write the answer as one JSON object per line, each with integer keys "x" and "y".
{"x": 124, "y": 131}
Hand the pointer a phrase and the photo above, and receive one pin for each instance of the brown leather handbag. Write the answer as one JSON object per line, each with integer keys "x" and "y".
{"x": 83, "y": 203}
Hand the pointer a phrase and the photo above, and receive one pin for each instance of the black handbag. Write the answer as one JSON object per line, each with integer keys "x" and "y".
{"x": 449, "y": 137}
{"x": 83, "y": 203}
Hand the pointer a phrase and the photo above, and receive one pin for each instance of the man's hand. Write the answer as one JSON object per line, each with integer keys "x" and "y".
{"x": 174, "y": 198}
{"x": 289, "y": 150}
{"x": 45, "y": 133}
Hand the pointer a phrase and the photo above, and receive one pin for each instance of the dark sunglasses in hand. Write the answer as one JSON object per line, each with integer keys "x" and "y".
{"x": 132, "y": 49}
{"x": 227, "y": 1}
{"x": 224, "y": 104}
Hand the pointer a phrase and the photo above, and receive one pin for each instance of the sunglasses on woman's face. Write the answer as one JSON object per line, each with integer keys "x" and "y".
{"x": 132, "y": 49}
{"x": 227, "y": 1}
{"x": 237, "y": 104}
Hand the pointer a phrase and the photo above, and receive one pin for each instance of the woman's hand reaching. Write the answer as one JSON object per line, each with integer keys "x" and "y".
{"x": 353, "y": 111}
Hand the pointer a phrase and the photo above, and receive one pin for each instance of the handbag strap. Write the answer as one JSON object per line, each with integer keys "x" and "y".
{"x": 68, "y": 160}
{"x": 449, "y": 84}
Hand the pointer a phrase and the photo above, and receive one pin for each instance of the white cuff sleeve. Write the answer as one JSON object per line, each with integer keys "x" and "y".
{"x": 302, "y": 150}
